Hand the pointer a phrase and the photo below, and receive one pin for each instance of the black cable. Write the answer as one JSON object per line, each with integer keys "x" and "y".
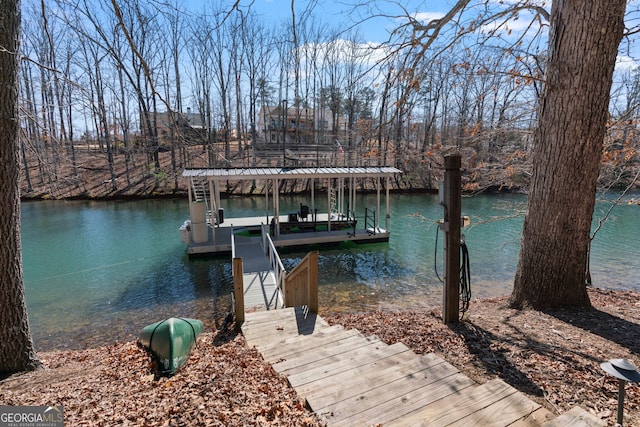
{"x": 465, "y": 272}
{"x": 465, "y": 278}
{"x": 435, "y": 254}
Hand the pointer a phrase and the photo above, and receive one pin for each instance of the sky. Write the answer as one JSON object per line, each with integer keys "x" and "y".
{"x": 377, "y": 30}
{"x": 341, "y": 12}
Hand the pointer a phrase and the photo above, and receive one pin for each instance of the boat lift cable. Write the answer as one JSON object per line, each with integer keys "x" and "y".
{"x": 465, "y": 272}
{"x": 465, "y": 277}
{"x": 435, "y": 255}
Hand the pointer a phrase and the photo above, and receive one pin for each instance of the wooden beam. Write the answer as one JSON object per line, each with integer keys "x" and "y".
{"x": 313, "y": 282}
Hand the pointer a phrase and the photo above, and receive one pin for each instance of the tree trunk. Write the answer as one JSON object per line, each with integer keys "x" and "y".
{"x": 583, "y": 44}
{"x": 16, "y": 352}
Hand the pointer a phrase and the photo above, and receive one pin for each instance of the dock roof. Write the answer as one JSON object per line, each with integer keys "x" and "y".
{"x": 291, "y": 173}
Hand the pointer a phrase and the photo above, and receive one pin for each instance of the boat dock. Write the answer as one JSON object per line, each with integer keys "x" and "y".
{"x": 349, "y": 379}
{"x": 328, "y": 219}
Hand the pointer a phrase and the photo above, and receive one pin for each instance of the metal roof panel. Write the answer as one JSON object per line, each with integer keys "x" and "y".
{"x": 290, "y": 173}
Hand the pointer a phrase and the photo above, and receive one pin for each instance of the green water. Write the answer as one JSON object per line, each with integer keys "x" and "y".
{"x": 96, "y": 272}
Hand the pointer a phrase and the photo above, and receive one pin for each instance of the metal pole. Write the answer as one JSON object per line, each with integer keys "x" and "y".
{"x": 386, "y": 200}
{"x": 377, "y": 218}
{"x": 452, "y": 211}
{"x": 621, "y": 384}
{"x": 285, "y": 116}
{"x": 276, "y": 207}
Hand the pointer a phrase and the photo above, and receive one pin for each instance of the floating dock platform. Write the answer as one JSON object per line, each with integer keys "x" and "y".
{"x": 209, "y": 229}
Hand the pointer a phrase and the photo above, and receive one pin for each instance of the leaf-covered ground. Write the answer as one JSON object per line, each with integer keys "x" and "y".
{"x": 223, "y": 384}
{"x": 553, "y": 356}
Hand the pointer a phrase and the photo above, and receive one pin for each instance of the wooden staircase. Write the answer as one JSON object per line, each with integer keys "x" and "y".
{"x": 352, "y": 380}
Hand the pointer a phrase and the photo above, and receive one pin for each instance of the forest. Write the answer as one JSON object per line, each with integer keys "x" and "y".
{"x": 118, "y": 97}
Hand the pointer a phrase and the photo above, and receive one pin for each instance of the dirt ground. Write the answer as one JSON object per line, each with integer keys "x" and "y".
{"x": 554, "y": 357}
{"x": 87, "y": 174}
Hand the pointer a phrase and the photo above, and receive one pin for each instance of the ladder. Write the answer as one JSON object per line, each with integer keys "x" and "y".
{"x": 333, "y": 201}
{"x": 200, "y": 190}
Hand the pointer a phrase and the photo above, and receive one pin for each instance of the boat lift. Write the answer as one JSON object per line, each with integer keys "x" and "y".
{"x": 208, "y": 230}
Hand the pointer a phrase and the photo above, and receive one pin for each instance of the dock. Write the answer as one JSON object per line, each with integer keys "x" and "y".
{"x": 349, "y": 379}
{"x": 332, "y": 218}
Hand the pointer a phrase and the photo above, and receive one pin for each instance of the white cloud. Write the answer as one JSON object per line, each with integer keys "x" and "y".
{"x": 626, "y": 63}
{"x": 427, "y": 16}
{"x": 523, "y": 22}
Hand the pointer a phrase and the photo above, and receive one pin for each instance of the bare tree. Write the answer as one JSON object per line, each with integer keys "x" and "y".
{"x": 16, "y": 352}
{"x": 257, "y": 53}
{"x": 199, "y": 51}
{"x": 222, "y": 71}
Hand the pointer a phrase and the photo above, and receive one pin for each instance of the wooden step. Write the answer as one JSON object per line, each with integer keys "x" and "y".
{"x": 459, "y": 406}
{"x": 396, "y": 405}
{"x": 576, "y": 417}
{"x": 344, "y": 364}
{"x": 277, "y": 343}
{"x": 291, "y": 341}
{"x": 534, "y": 419}
{"x": 368, "y": 376}
{"x": 507, "y": 411}
{"x": 304, "y": 343}
{"x": 302, "y": 362}
{"x": 281, "y": 328}
{"x": 370, "y": 401}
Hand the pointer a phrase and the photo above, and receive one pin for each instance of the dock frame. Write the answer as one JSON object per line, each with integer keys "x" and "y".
{"x": 208, "y": 231}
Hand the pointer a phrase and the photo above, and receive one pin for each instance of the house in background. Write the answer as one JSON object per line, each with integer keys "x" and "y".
{"x": 278, "y": 124}
{"x": 189, "y": 127}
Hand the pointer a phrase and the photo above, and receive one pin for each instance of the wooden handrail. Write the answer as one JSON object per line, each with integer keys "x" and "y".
{"x": 275, "y": 262}
{"x": 238, "y": 289}
{"x": 301, "y": 284}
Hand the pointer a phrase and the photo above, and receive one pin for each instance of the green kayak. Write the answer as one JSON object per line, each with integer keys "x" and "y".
{"x": 170, "y": 341}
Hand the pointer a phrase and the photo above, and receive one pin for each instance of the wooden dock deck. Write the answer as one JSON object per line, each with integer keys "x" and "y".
{"x": 353, "y": 380}
{"x": 219, "y": 238}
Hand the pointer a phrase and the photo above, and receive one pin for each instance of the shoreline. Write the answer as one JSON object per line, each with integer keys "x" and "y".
{"x": 224, "y": 195}
{"x": 434, "y": 311}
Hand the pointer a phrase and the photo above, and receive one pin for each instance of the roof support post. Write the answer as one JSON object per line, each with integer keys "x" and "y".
{"x": 266, "y": 195}
{"x": 276, "y": 209}
{"x": 386, "y": 213}
{"x": 377, "y": 224}
{"x": 353, "y": 196}
{"x": 313, "y": 197}
{"x": 328, "y": 204}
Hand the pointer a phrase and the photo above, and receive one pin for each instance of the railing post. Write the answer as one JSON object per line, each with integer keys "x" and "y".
{"x": 452, "y": 210}
{"x": 238, "y": 289}
{"x": 313, "y": 282}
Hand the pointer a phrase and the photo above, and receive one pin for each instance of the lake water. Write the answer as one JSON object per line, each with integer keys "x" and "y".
{"x": 97, "y": 272}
